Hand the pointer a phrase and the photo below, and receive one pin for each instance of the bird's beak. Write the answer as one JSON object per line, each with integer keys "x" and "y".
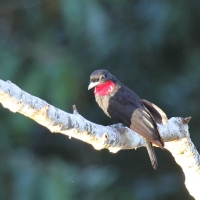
{"x": 93, "y": 84}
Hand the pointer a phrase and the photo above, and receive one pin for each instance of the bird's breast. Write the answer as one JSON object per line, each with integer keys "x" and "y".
{"x": 103, "y": 102}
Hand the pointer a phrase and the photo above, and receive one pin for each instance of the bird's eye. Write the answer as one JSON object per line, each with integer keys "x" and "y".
{"x": 102, "y": 77}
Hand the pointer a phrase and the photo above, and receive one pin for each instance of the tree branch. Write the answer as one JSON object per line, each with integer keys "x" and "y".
{"x": 115, "y": 137}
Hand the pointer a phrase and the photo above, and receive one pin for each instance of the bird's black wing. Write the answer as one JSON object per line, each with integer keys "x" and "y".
{"x": 158, "y": 115}
{"x": 142, "y": 123}
{"x": 125, "y": 106}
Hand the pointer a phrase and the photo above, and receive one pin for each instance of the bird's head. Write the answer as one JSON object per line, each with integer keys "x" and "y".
{"x": 103, "y": 82}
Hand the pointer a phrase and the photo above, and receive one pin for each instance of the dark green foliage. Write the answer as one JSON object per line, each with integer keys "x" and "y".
{"x": 49, "y": 49}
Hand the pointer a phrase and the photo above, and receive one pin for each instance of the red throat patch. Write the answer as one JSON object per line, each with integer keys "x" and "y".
{"x": 104, "y": 88}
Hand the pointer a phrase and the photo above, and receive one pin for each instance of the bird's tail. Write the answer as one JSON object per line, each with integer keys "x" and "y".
{"x": 152, "y": 154}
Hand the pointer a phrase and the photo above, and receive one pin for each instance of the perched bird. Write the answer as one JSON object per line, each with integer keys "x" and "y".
{"x": 122, "y": 104}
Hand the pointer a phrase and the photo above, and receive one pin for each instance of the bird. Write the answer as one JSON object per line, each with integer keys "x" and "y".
{"x": 123, "y": 105}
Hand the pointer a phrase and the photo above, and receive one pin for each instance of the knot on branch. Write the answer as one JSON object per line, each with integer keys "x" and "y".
{"x": 75, "y": 111}
{"x": 186, "y": 120}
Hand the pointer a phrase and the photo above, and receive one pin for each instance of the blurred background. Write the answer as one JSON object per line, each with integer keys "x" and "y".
{"x": 49, "y": 49}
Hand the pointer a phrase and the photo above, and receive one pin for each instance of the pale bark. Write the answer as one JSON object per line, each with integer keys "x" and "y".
{"x": 115, "y": 137}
